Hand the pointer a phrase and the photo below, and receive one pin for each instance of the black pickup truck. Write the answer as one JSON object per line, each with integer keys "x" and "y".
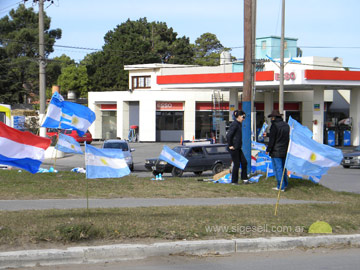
{"x": 201, "y": 158}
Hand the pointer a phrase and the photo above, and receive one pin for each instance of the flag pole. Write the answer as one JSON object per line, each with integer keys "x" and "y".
{"x": 57, "y": 139}
{"x": 87, "y": 184}
{"x": 278, "y": 198}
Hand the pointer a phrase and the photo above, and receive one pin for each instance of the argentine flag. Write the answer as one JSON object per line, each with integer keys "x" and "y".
{"x": 261, "y": 132}
{"x": 308, "y": 157}
{"x": 258, "y": 146}
{"x": 299, "y": 127}
{"x": 68, "y": 115}
{"x": 76, "y": 116}
{"x": 173, "y": 158}
{"x": 105, "y": 163}
{"x": 68, "y": 144}
{"x": 53, "y": 113}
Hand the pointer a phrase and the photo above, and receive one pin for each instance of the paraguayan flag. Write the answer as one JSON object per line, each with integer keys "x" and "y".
{"x": 105, "y": 163}
{"x": 308, "y": 157}
{"x": 173, "y": 158}
{"x": 68, "y": 144}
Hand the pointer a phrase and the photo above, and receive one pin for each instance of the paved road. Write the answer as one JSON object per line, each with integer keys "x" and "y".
{"x": 338, "y": 178}
{"x": 346, "y": 259}
{"x": 15, "y": 205}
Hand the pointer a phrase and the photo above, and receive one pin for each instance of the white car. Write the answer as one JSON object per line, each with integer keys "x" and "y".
{"x": 125, "y": 147}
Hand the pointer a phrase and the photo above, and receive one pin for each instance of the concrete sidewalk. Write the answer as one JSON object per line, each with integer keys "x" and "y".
{"x": 16, "y": 205}
{"x": 96, "y": 254}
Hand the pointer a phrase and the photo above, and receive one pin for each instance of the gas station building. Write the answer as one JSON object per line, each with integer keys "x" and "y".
{"x": 167, "y": 102}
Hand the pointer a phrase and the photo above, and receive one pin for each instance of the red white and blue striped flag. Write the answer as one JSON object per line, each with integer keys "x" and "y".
{"x": 22, "y": 149}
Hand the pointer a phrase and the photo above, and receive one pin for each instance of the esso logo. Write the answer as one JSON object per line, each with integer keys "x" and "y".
{"x": 287, "y": 76}
{"x": 164, "y": 105}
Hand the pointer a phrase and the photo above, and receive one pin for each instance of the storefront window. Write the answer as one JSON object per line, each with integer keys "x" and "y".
{"x": 169, "y": 120}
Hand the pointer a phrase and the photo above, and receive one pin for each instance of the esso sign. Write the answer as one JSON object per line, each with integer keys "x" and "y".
{"x": 164, "y": 105}
{"x": 169, "y": 106}
{"x": 287, "y": 76}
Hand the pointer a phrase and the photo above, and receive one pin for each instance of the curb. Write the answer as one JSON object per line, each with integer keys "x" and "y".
{"x": 95, "y": 254}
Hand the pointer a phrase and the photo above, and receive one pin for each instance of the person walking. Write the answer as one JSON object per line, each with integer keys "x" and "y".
{"x": 279, "y": 136}
{"x": 234, "y": 140}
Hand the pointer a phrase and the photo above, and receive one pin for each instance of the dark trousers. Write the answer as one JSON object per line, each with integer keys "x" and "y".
{"x": 238, "y": 157}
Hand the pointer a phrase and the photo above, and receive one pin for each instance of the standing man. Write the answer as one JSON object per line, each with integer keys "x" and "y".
{"x": 234, "y": 140}
{"x": 278, "y": 146}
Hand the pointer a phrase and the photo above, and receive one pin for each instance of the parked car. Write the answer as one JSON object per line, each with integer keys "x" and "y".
{"x": 201, "y": 158}
{"x": 87, "y": 137}
{"x": 351, "y": 159}
{"x": 124, "y": 146}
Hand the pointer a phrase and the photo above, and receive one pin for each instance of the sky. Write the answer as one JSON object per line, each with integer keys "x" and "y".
{"x": 328, "y": 28}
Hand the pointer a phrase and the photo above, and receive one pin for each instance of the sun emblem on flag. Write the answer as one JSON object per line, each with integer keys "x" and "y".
{"x": 103, "y": 161}
{"x": 172, "y": 159}
{"x": 74, "y": 120}
{"x": 313, "y": 157}
{"x": 73, "y": 146}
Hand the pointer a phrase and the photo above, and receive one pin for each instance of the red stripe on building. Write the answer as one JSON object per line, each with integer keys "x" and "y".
{"x": 109, "y": 107}
{"x": 332, "y": 75}
{"x": 212, "y": 78}
{"x": 288, "y": 106}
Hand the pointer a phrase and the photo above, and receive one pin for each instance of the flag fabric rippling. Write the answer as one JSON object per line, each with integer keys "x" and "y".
{"x": 68, "y": 115}
{"x": 68, "y": 144}
{"x": 105, "y": 163}
{"x": 22, "y": 149}
{"x": 308, "y": 157}
{"x": 299, "y": 127}
{"x": 173, "y": 158}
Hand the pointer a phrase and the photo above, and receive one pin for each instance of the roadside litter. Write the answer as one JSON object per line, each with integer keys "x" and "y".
{"x": 42, "y": 170}
{"x": 79, "y": 170}
{"x": 158, "y": 177}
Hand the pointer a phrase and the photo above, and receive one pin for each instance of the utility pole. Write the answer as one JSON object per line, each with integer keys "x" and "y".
{"x": 253, "y": 67}
{"x": 42, "y": 65}
{"x": 281, "y": 88}
{"x": 247, "y": 90}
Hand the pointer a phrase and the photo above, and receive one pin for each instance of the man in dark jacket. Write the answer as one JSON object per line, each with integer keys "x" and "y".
{"x": 234, "y": 140}
{"x": 278, "y": 146}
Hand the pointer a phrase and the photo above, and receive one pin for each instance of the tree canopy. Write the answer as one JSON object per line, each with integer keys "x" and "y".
{"x": 19, "y": 44}
{"x": 135, "y": 42}
{"x": 132, "y": 42}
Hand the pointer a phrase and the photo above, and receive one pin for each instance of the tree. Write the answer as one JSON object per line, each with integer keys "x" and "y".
{"x": 19, "y": 41}
{"x": 53, "y": 71}
{"x": 134, "y": 42}
{"x": 74, "y": 78}
{"x": 207, "y": 50}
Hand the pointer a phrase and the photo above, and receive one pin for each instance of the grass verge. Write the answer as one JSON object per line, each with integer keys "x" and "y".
{"x": 24, "y": 185}
{"x": 54, "y": 228}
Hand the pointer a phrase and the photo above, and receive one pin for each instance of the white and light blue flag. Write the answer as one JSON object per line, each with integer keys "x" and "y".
{"x": 261, "y": 132}
{"x": 308, "y": 157}
{"x": 68, "y": 144}
{"x": 77, "y": 117}
{"x": 105, "y": 163}
{"x": 53, "y": 113}
{"x": 68, "y": 115}
{"x": 173, "y": 158}
{"x": 299, "y": 127}
{"x": 314, "y": 179}
{"x": 258, "y": 146}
